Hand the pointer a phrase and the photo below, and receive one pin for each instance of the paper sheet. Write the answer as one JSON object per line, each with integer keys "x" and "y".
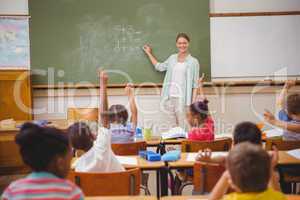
{"x": 126, "y": 160}
{"x": 274, "y": 133}
{"x": 295, "y": 153}
{"x": 192, "y": 156}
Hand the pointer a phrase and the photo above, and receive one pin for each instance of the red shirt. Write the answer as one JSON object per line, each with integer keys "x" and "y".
{"x": 203, "y": 133}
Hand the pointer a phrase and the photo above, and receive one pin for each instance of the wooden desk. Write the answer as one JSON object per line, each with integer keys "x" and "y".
{"x": 284, "y": 159}
{"x": 122, "y": 198}
{"x": 60, "y": 124}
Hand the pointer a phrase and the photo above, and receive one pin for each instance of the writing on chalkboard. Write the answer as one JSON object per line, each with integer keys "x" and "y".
{"x": 127, "y": 38}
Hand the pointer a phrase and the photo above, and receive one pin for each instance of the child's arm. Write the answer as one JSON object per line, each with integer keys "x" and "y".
{"x": 133, "y": 109}
{"x": 103, "y": 99}
{"x": 274, "y": 179}
{"x": 269, "y": 117}
{"x": 220, "y": 188}
{"x": 288, "y": 84}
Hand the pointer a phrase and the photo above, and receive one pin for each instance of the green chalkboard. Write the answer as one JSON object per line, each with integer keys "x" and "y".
{"x": 70, "y": 39}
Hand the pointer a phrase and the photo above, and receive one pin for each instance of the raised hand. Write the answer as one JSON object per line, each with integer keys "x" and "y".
{"x": 289, "y": 83}
{"x": 129, "y": 89}
{"x": 103, "y": 77}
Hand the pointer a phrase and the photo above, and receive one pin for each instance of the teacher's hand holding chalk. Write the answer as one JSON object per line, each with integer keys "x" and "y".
{"x": 148, "y": 50}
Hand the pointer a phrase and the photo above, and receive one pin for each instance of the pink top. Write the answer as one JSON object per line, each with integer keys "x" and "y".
{"x": 203, "y": 133}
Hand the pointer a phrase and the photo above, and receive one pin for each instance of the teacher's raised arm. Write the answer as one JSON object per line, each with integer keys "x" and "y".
{"x": 181, "y": 79}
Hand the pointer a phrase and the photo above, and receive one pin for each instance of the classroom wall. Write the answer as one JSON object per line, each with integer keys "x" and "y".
{"x": 231, "y": 105}
{"x": 16, "y": 7}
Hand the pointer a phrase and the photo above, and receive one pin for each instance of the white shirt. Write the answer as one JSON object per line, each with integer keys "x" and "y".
{"x": 100, "y": 158}
{"x": 178, "y": 80}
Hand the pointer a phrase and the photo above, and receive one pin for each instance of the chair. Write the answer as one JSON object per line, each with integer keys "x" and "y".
{"x": 220, "y": 144}
{"x": 281, "y": 144}
{"x": 182, "y": 179}
{"x": 206, "y": 176}
{"x": 108, "y": 184}
{"x": 285, "y": 177}
{"x": 90, "y": 114}
{"x": 10, "y": 158}
{"x": 126, "y": 149}
{"x": 133, "y": 148}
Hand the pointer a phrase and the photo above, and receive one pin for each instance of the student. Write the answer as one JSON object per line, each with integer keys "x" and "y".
{"x": 116, "y": 116}
{"x": 249, "y": 170}
{"x": 289, "y": 121}
{"x": 243, "y": 132}
{"x": 289, "y": 114}
{"x": 201, "y": 123}
{"x": 47, "y": 152}
{"x": 98, "y": 156}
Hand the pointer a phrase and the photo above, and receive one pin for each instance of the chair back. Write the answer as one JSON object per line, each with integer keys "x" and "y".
{"x": 220, "y": 144}
{"x": 206, "y": 176}
{"x": 127, "y": 149}
{"x": 90, "y": 114}
{"x": 108, "y": 184}
{"x": 10, "y": 158}
{"x": 281, "y": 144}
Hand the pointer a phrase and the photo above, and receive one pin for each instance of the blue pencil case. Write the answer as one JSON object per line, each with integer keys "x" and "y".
{"x": 171, "y": 156}
{"x": 150, "y": 155}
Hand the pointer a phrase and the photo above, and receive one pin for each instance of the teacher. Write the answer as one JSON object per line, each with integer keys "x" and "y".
{"x": 181, "y": 79}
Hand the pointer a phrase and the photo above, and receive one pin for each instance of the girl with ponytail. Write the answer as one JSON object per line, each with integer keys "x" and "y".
{"x": 200, "y": 122}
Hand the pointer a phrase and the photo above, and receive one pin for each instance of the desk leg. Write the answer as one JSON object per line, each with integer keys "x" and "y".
{"x": 164, "y": 181}
{"x": 172, "y": 181}
{"x": 158, "y": 184}
{"x": 161, "y": 148}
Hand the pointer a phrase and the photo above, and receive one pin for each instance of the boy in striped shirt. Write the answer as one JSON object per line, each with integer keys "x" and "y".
{"x": 47, "y": 152}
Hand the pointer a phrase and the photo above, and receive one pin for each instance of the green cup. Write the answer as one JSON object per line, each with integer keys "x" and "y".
{"x": 147, "y": 133}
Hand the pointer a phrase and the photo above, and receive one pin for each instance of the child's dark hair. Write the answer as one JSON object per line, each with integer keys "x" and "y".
{"x": 182, "y": 35}
{"x": 200, "y": 108}
{"x": 40, "y": 145}
{"x": 118, "y": 113}
{"x": 249, "y": 166}
{"x": 247, "y": 132}
{"x": 80, "y": 136}
{"x": 293, "y": 104}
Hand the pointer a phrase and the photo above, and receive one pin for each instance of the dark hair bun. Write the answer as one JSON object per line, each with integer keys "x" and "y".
{"x": 39, "y": 145}
{"x": 200, "y": 108}
{"x": 205, "y": 101}
{"x": 28, "y": 134}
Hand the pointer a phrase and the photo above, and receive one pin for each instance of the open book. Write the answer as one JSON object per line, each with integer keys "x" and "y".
{"x": 176, "y": 132}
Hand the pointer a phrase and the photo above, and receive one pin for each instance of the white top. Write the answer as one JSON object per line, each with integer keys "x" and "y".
{"x": 178, "y": 80}
{"x": 100, "y": 158}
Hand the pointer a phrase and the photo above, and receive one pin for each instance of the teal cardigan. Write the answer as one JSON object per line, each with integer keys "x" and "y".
{"x": 191, "y": 76}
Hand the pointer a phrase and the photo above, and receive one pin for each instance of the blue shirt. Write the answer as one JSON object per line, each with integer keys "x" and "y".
{"x": 191, "y": 76}
{"x": 288, "y": 135}
{"x": 122, "y": 133}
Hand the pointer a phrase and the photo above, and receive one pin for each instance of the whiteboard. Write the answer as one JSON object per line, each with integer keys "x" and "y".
{"x": 255, "y": 46}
